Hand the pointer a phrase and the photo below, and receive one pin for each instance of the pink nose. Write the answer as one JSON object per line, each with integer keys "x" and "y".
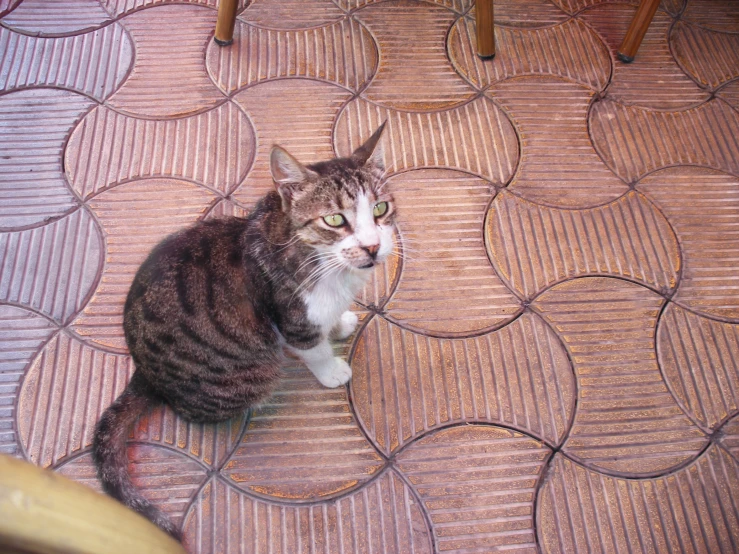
{"x": 372, "y": 249}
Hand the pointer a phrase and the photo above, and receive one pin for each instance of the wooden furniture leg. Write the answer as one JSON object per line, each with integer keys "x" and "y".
{"x": 484, "y": 22}
{"x": 226, "y": 21}
{"x": 637, "y": 29}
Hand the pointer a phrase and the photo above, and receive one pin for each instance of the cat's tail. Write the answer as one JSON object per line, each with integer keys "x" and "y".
{"x": 109, "y": 452}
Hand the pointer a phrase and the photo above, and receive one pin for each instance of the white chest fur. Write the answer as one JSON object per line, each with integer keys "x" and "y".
{"x": 332, "y": 296}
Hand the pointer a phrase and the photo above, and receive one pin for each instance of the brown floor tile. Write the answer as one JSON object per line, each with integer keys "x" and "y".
{"x": 524, "y": 51}
{"x": 627, "y": 421}
{"x": 452, "y": 470}
{"x": 52, "y": 268}
{"x": 526, "y": 13}
{"x": 34, "y": 125}
{"x": 166, "y": 478}
{"x": 22, "y": 334}
{"x": 121, "y": 7}
{"x": 730, "y": 93}
{"x": 109, "y": 148}
{"x": 689, "y": 197}
{"x": 635, "y": 141}
{"x": 446, "y": 286}
{"x": 395, "y": 25}
{"x": 718, "y": 15}
{"x": 695, "y": 354}
{"x": 686, "y": 511}
{"x": 657, "y": 81}
{"x": 558, "y": 164}
{"x": 533, "y": 247}
{"x": 64, "y": 392}
{"x": 260, "y": 54}
{"x": 292, "y": 14}
{"x": 448, "y": 138}
{"x": 172, "y": 84}
{"x": 94, "y": 63}
{"x": 306, "y": 132}
{"x": 406, "y": 384}
{"x": 302, "y": 444}
{"x": 383, "y": 516}
{"x": 209, "y": 444}
{"x": 57, "y": 17}
{"x": 710, "y": 57}
{"x": 729, "y": 438}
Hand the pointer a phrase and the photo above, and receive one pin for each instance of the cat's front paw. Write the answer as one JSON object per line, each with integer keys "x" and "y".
{"x": 346, "y": 326}
{"x": 336, "y": 374}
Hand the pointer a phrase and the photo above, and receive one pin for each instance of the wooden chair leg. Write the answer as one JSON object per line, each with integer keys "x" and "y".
{"x": 484, "y": 22}
{"x": 226, "y": 21}
{"x": 637, "y": 29}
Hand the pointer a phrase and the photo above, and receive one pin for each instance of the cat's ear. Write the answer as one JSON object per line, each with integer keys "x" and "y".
{"x": 372, "y": 152}
{"x": 288, "y": 173}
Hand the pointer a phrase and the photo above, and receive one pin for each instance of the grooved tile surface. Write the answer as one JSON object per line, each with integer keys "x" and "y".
{"x": 558, "y": 163}
{"x": 166, "y": 478}
{"x": 94, "y": 63}
{"x": 690, "y": 196}
{"x": 34, "y": 125}
{"x": 448, "y": 469}
{"x": 52, "y": 268}
{"x": 686, "y": 511}
{"x": 264, "y": 54}
{"x": 547, "y": 362}
{"x": 626, "y": 421}
{"x": 657, "y": 81}
{"x": 168, "y": 82}
{"x": 519, "y": 376}
{"x": 22, "y": 333}
{"x": 302, "y": 444}
{"x": 535, "y": 246}
{"x": 446, "y": 287}
{"x": 695, "y": 355}
{"x": 56, "y": 17}
{"x": 524, "y": 51}
{"x": 634, "y": 141}
{"x": 223, "y": 519}
{"x": 214, "y": 149}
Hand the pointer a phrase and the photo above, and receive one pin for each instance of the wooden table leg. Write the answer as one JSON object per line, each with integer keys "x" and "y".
{"x": 484, "y": 22}
{"x": 226, "y": 21}
{"x": 638, "y": 28}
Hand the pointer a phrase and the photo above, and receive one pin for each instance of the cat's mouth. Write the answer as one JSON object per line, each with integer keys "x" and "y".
{"x": 368, "y": 265}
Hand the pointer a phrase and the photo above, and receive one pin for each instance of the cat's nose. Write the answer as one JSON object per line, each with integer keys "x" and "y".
{"x": 372, "y": 250}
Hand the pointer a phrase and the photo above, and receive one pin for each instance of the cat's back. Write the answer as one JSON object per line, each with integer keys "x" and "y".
{"x": 197, "y": 284}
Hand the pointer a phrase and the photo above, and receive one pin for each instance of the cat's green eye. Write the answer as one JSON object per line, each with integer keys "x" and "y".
{"x": 334, "y": 220}
{"x": 380, "y": 209}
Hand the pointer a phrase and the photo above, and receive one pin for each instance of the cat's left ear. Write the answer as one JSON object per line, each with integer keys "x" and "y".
{"x": 372, "y": 152}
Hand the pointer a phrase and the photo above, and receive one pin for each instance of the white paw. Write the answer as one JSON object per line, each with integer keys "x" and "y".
{"x": 336, "y": 374}
{"x": 346, "y": 326}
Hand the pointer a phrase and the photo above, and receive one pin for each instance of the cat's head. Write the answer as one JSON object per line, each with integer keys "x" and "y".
{"x": 339, "y": 207}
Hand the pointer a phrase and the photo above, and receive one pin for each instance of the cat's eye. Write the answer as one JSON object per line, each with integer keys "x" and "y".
{"x": 334, "y": 220}
{"x": 380, "y": 209}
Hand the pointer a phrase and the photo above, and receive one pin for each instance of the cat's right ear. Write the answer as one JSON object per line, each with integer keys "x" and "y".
{"x": 288, "y": 174}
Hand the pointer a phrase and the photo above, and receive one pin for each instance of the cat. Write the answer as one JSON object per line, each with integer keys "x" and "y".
{"x": 212, "y": 309}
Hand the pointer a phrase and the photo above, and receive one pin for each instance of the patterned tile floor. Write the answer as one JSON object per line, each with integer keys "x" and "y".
{"x": 552, "y": 365}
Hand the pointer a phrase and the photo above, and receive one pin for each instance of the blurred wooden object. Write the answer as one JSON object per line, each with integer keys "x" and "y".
{"x": 226, "y": 22}
{"x": 484, "y": 23}
{"x": 42, "y": 512}
{"x": 637, "y": 29}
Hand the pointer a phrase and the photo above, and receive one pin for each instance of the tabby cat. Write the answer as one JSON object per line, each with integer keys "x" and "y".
{"x": 213, "y": 307}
